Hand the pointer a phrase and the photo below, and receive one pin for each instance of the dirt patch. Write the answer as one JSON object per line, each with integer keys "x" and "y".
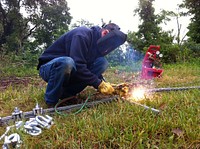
{"x": 16, "y": 81}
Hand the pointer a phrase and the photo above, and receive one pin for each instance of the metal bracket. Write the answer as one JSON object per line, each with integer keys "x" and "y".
{"x": 17, "y": 114}
{"x": 37, "y": 110}
{"x": 32, "y": 127}
{"x": 13, "y": 140}
{"x": 44, "y": 121}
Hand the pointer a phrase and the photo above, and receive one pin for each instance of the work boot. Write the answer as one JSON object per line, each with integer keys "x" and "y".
{"x": 51, "y": 105}
{"x": 63, "y": 102}
{"x": 69, "y": 101}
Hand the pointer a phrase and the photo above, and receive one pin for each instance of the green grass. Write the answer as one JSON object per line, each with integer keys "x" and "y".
{"x": 11, "y": 66}
{"x": 119, "y": 124}
{"x": 16, "y": 70}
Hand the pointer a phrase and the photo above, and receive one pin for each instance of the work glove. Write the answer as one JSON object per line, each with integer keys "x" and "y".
{"x": 121, "y": 89}
{"x": 106, "y": 88}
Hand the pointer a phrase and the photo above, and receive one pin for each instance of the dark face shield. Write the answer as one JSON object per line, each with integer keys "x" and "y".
{"x": 111, "y": 41}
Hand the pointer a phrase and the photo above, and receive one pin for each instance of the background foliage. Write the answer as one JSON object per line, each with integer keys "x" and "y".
{"x": 28, "y": 27}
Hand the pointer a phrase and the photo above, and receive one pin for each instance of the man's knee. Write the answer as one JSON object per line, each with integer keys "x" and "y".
{"x": 66, "y": 64}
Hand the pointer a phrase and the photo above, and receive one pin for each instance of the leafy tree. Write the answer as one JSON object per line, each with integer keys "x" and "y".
{"x": 135, "y": 40}
{"x": 193, "y": 7}
{"x": 13, "y": 26}
{"x": 82, "y": 22}
{"x": 40, "y": 20}
{"x": 148, "y": 29}
{"x": 149, "y": 32}
{"x": 51, "y": 21}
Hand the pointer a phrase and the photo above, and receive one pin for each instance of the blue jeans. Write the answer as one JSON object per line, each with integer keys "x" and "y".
{"x": 60, "y": 74}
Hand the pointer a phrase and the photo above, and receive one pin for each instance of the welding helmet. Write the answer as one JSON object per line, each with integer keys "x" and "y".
{"x": 111, "y": 40}
{"x": 111, "y": 26}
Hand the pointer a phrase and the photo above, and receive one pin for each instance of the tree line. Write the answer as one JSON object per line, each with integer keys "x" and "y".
{"x": 27, "y": 27}
{"x": 174, "y": 47}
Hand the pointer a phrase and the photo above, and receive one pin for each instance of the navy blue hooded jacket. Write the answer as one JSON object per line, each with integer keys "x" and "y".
{"x": 81, "y": 44}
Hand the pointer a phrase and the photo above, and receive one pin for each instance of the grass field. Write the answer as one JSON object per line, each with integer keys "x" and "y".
{"x": 115, "y": 125}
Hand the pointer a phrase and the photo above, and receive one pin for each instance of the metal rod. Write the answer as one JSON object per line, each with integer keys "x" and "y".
{"x": 69, "y": 108}
{"x": 172, "y": 89}
{"x": 29, "y": 114}
{"x": 146, "y": 107}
